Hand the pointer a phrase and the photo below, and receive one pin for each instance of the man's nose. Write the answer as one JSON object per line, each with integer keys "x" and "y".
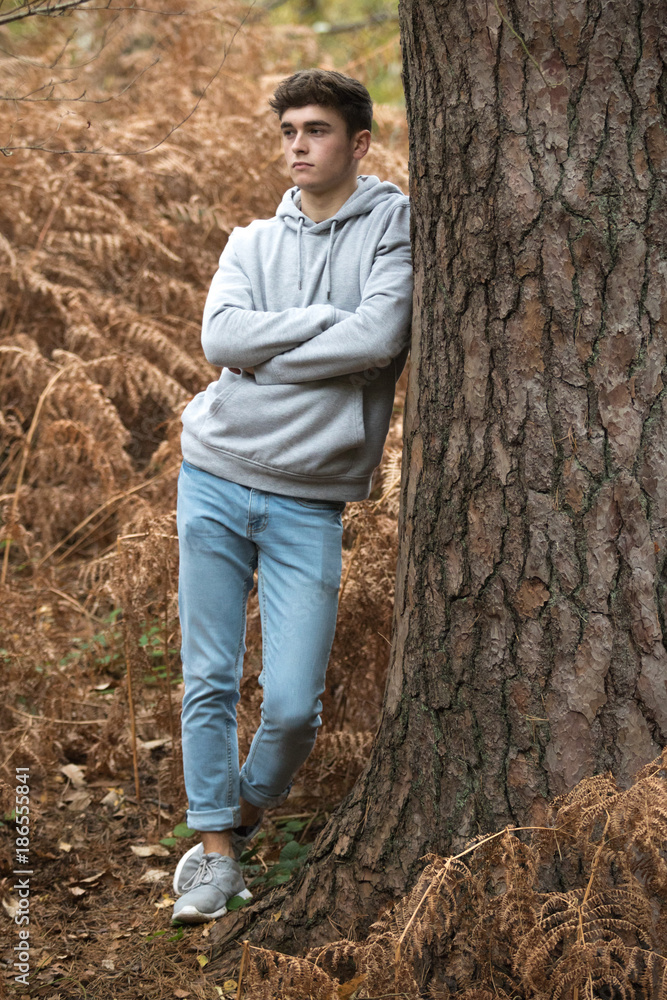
{"x": 299, "y": 143}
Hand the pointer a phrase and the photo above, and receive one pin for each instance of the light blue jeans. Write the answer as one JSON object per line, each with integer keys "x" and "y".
{"x": 225, "y": 531}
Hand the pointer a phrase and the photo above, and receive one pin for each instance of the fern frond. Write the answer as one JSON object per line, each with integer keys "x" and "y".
{"x": 271, "y": 975}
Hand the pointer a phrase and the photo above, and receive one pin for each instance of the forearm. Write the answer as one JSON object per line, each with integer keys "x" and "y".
{"x": 236, "y": 333}
{"x": 356, "y": 343}
{"x": 368, "y": 338}
{"x": 232, "y": 336}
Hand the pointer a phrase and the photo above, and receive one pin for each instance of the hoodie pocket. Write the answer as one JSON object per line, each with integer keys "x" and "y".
{"x": 306, "y": 428}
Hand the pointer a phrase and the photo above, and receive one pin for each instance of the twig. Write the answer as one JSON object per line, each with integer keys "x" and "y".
{"x": 30, "y": 10}
{"x": 24, "y": 459}
{"x": 351, "y": 66}
{"x": 75, "y": 604}
{"x": 308, "y": 826}
{"x": 7, "y": 150}
{"x": 392, "y": 485}
{"x": 381, "y": 17}
{"x": 49, "y": 220}
{"x": 353, "y": 555}
{"x": 107, "y": 503}
{"x": 62, "y": 722}
{"x": 457, "y": 857}
{"x": 130, "y": 699}
{"x": 167, "y": 661}
{"x": 525, "y": 47}
{"x": 596, "y": 859}
{"x": 244, "y": 959}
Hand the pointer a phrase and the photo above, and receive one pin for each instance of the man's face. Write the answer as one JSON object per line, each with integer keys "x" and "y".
{"x": 321, "y": 156}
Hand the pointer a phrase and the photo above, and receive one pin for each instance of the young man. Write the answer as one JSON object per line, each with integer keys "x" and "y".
{"x": 309, "y": 318}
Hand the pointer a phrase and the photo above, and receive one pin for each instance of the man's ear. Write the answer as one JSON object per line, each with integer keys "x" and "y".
{"x": 362, "y": 142}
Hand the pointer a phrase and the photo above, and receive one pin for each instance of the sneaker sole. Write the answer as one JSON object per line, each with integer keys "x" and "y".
{"x": 191, "y": 915}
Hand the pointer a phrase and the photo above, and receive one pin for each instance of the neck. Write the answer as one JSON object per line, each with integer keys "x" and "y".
{"x": 321, "y": 206}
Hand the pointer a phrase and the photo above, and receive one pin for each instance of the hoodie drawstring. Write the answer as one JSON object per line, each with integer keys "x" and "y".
{"x": 328, "y": 261}
{"x": 299, "y": 254}
{"x": 298, "y": 248}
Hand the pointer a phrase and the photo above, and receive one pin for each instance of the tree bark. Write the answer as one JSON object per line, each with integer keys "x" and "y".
{"x": 528, "y": 644}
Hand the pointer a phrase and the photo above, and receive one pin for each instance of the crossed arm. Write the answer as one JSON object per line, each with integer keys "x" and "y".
{"x": 234, "y": 333}
{"x": 317, "y": 341}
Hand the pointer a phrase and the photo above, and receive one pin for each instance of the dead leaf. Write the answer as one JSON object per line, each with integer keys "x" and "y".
{"x": 79, "y": 801}
{"x": 108, "y": 964}
{"x": 164, "y": 903}
{"x": 154, "y": 875}
{"x": 10, "y": 907}
{"x": 76, "y": 890}
{"x": 92, "y": 878}
{"x": 348, "y": 989}
{"x": 64, "y": 847}
{"x": 181, "y": 993}
{"x": 75, "y": 774}
{"x": 113, "y": 798}
{"x": 154, "y": 744}
{"x": 203, "y": 960}
{"x": 149, "y": 850}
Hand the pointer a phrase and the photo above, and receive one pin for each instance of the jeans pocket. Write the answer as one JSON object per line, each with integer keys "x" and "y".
{"x": 338, "y": 505}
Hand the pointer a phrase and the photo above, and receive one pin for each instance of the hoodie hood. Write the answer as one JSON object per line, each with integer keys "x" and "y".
{"x": 370, "y": 193}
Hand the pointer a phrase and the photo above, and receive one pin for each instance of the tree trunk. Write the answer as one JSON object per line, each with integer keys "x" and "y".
{"x": 530, "y": 606}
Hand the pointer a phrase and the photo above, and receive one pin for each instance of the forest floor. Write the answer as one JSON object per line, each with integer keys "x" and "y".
{"x": 101, "y": 887}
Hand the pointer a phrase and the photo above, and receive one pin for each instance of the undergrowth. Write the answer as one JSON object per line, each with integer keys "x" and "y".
{"x": 575, "y": 909}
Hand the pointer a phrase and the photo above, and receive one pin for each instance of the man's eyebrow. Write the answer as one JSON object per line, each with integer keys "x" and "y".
{"x": 310, "y": 124}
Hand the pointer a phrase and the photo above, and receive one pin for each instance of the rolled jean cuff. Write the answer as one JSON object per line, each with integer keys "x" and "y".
{"x": 214, "y": 820}
{"x": 258, "y": 799}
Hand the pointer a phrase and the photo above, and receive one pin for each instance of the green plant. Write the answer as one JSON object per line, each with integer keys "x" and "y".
{"x": 180, "y": 831}
{"x": 153, "y": 644}
{"x": 104, "y": 649}
{"x": 291, "y": 858}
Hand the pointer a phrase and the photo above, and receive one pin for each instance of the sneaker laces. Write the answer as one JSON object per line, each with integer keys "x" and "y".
{"x": 205, "y": 872}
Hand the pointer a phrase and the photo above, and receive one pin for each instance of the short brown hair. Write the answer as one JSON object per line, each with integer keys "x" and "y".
{"x": 329, "y": 89}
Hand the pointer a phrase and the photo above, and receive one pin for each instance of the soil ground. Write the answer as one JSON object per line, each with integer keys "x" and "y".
{"x": 100, "y": 916}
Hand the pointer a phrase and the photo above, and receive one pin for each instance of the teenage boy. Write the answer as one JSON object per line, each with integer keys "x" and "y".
{"x": 309, "y": 318}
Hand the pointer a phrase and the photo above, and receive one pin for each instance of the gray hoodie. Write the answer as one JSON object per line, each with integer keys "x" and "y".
{"x": 321, "y": 311}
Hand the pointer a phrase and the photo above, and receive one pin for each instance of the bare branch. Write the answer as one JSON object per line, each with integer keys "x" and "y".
{"x": 8, "y": 149}
{"x": 46, "y": 8}
{"x": 105, "y": 40}
{"x": 141, "y": 10}
{"x": 36, "y": 10}
{"x": 29, "y": 99}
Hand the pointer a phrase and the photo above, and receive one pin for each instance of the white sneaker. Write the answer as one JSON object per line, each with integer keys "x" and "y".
{"x": 189, "y": 863}
{"x": 206, "y": 893}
